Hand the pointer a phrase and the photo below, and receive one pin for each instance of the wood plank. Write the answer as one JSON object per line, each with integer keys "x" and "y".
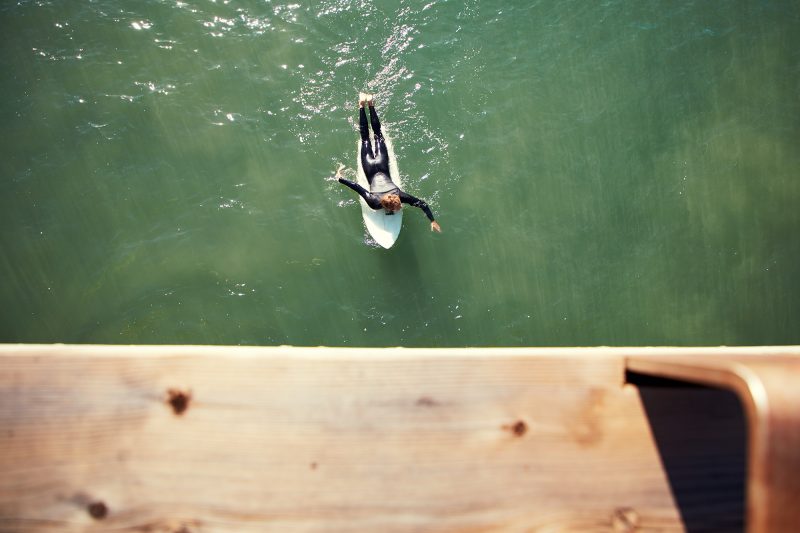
{"x": 292, "y": 439}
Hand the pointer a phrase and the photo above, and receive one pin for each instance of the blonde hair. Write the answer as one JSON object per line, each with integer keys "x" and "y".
{"x": 391, "y": 202}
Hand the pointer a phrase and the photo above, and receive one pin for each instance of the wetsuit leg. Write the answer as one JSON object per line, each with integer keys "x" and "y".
{"x": 381, "y": 155}
{"x": 376, "y": 123}
{"x": 362, "y": 124}
{"x": 367, "y": 155}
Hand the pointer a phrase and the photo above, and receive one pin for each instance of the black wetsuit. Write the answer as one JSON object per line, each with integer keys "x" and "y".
{"x": 376, "y": 168}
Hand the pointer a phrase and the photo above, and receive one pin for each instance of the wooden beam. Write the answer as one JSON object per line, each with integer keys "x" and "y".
{"x": 767, "y": 382}
{"x": 208, "y": 439}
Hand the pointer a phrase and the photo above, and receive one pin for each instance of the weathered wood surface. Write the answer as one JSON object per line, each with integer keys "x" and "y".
{"x": 288, "y": 439}
{"x": 769, "y": 388}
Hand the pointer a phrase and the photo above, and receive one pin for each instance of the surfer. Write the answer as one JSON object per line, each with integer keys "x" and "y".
{"x": 383, "y": 193}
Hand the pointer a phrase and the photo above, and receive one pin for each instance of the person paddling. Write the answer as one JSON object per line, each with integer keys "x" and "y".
{"x": 383, "y": 192}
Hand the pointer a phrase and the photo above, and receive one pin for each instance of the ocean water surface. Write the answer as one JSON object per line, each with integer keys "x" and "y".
{"x": 605, "y": 173}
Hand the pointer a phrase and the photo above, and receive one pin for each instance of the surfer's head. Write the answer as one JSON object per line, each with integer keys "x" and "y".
{"x": 391, "y": 202}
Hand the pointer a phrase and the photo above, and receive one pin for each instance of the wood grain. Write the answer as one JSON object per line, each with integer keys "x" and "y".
{"x": 292, "y": 439}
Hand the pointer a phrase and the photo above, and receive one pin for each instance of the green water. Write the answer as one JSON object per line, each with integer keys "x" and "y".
{"x": 605, "y": 172}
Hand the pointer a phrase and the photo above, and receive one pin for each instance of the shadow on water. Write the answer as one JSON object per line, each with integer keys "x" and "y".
{"x": 400, "y": 262}
{"x": 700, "y": 433}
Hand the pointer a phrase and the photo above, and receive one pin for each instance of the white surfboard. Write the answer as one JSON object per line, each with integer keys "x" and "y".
{"x": 382, "y": 227}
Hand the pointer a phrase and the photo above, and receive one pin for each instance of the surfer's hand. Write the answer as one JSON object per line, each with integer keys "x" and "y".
{"x": 339, "y": 171}
{"x": 435, "y": 227}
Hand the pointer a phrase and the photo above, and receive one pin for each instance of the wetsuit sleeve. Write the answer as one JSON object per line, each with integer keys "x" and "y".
{"x": 416, "y": 202}
{"x": 368, "y": 197}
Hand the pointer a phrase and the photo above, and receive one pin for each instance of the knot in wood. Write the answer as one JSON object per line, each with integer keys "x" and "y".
{"x": 518, "y": 428}
{"x": 179, "y": 400}
{"x": 625, "y": 520}
{"x": 97, "y": 510}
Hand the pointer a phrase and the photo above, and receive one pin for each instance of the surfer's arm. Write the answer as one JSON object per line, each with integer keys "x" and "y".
{"x": 368, "y": 197}
{"x": 416, "y": 202}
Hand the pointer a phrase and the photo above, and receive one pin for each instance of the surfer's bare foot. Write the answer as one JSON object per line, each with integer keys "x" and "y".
{"x": 362, "y": 99}
{"x": 370, "y": 100}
